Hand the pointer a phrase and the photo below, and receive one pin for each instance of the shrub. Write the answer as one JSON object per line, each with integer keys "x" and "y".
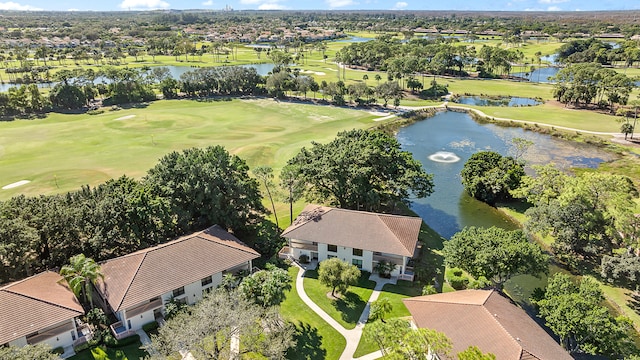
{"x": 111, "y": 342}
{"x": 429, "y": 290}
{"x": 81, "y": 347}
{"x": 456, "y": 272}
{"x": 97, "y": 317}
{"x": 458, "y": 282}
{"x": 95, "y": 112}
{"x": 58, "y": 351}
{"x": 304, "y": 259}
{"x": 480, "y": 283}
{"x": 150, "y": 327}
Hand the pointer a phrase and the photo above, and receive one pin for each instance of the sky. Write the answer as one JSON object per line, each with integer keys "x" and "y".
{"x": 490, "y": 5}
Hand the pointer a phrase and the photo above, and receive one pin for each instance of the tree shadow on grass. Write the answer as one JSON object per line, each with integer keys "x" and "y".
{"x": 308, "y": 344}
{"x": 634, "y": 302}
{"x": 350, "y": 306}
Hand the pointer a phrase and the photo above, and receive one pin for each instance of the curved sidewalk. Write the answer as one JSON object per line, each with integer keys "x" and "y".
{"x": 351, "y": 336}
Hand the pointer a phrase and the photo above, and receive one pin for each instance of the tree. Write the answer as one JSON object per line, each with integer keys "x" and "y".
{"x": 293, "y": 186}
{"x": 544, "y": 187}
{"x": 29, "y": 352}
{"x": 80, "y": 274}
{"x": 266, "y": 287}
{"x": 265, "y": 175}
{"x": 67, "y": 96}
{"x": 489, "y": 176}
{"x": 206, "y": 187}
{"x": 379, "y": 309}
{"x": 575, "y": 313}
{"x": 208, "y": 329}
{"x": 626, "y": 129}
{"x": 360, "y": 169}
{"x": 338, "y": 275}
{"x": 473, "y": 353}
{"x": 621, "y": 270}
{"x": 494, "y": 253}
{"x": 397, "y": 340}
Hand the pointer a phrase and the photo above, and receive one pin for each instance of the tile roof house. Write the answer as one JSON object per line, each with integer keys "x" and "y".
{"x": 137, "y": 286}
{"x": 488, "y": 320}
{"x": 358, "y": 237}
{"x": 39, "y": 309}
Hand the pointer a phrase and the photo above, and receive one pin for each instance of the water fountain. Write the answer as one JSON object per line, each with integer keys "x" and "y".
{"x": 444, "y": 157}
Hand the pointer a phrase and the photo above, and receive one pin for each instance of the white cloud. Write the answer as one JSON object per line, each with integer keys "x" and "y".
{"x": 554, "y": 8}
{"x": 339, "y": 3}
{"x": 73, "y": 9}
{"x": 15, "y": 6}
{"x": 143, "y": 4}
{"x": 552, "y": 1}
{"x": 400, "y": 5}
{"x": 208, "y": 3}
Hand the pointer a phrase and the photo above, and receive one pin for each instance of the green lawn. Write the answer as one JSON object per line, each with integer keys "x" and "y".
{"x": 129, "y": 352}
{"x": 349, "y": 307}
{"x": 395, "y": 294}
{"x": 62, "y": 152}
{"x": 316, "y": 340}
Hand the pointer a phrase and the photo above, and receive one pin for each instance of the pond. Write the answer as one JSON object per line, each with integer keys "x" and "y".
{"x": 539, "y": 75}
{"x": 444, "y": 142}
{"x": 354, "y": 39}
{"x": 510, "y": 101}
{"x": 175, "y": 71}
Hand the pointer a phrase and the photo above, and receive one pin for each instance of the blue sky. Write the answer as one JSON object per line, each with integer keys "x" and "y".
{"x": 500, "y": 5}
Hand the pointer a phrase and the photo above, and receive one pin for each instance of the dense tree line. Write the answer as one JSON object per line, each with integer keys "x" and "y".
{"x": 186, "y": 191}
{"x": 589, "y": 83}
{"x": 419, "y": 57}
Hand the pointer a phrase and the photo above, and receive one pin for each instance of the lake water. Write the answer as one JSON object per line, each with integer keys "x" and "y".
{"x": 540, "y": 75}
{"x": 504, "y": 101}
{"x": 354, "y": 39}
{"x": 449, "y": 208}
{"x": 175, "y": 71}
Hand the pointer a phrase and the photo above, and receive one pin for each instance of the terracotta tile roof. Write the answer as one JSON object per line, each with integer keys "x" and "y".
{"x": 35, "y": 303}
{"x": 392, "y": 234}
{"x": 488, "y": 320}
{"x": 145, "y": 274}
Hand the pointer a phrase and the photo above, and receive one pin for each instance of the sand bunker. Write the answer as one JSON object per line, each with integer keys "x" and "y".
{"x": 319, "y": 73}
{"x": 15, "y": 184}
{"x": 125, "y": 117}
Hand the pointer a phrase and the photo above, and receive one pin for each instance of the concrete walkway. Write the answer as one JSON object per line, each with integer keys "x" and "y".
{"x": 352, "y": 336}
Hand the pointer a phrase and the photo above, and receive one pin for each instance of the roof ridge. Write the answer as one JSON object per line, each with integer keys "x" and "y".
{"x": 124, "y": 295}
{"x": 494, "y": 317}
{"x": 393, "y": 233}
{"x": 6, "y": 286}
{"x": 227, "y": 245}
{"x": 42, "y": 300}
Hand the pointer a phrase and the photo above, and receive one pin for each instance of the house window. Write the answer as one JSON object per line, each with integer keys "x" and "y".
{"x": 206, "y": 281}
{"x": 332, "y": 248}
{"x": 179, "y": 291}
{"x": 357, "y": 262}
{"x": 331, "y": 256}
{"x": 357, "y": 252}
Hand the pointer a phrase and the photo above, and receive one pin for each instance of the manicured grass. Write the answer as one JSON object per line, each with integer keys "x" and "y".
{"x": 316, "y": 340}
{"x": 62, "y": 152}
{"x": 345, "y": 310}
{"x": 395, "y": 294}
{"x": 129, "y": 352}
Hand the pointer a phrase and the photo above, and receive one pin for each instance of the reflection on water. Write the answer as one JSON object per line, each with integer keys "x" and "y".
{"x": 510, "y": 101}
{"x": 449, "y": 209}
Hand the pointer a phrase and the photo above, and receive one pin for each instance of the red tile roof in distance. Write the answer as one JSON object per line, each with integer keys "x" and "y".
{"x": 132, "y": 279}
{"x": 488, "y": 320}
{"x": 35, "y": 303}
{"x": 392, "y": 234}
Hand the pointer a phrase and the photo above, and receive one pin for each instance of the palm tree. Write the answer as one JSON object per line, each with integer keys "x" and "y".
{"x": 380, "y": 308}
{"x": 80, "y": 273}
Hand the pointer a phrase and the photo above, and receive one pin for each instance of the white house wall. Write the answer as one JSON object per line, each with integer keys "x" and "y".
{"x": 63, "y": 339}
{"x": 20, "y": 342}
